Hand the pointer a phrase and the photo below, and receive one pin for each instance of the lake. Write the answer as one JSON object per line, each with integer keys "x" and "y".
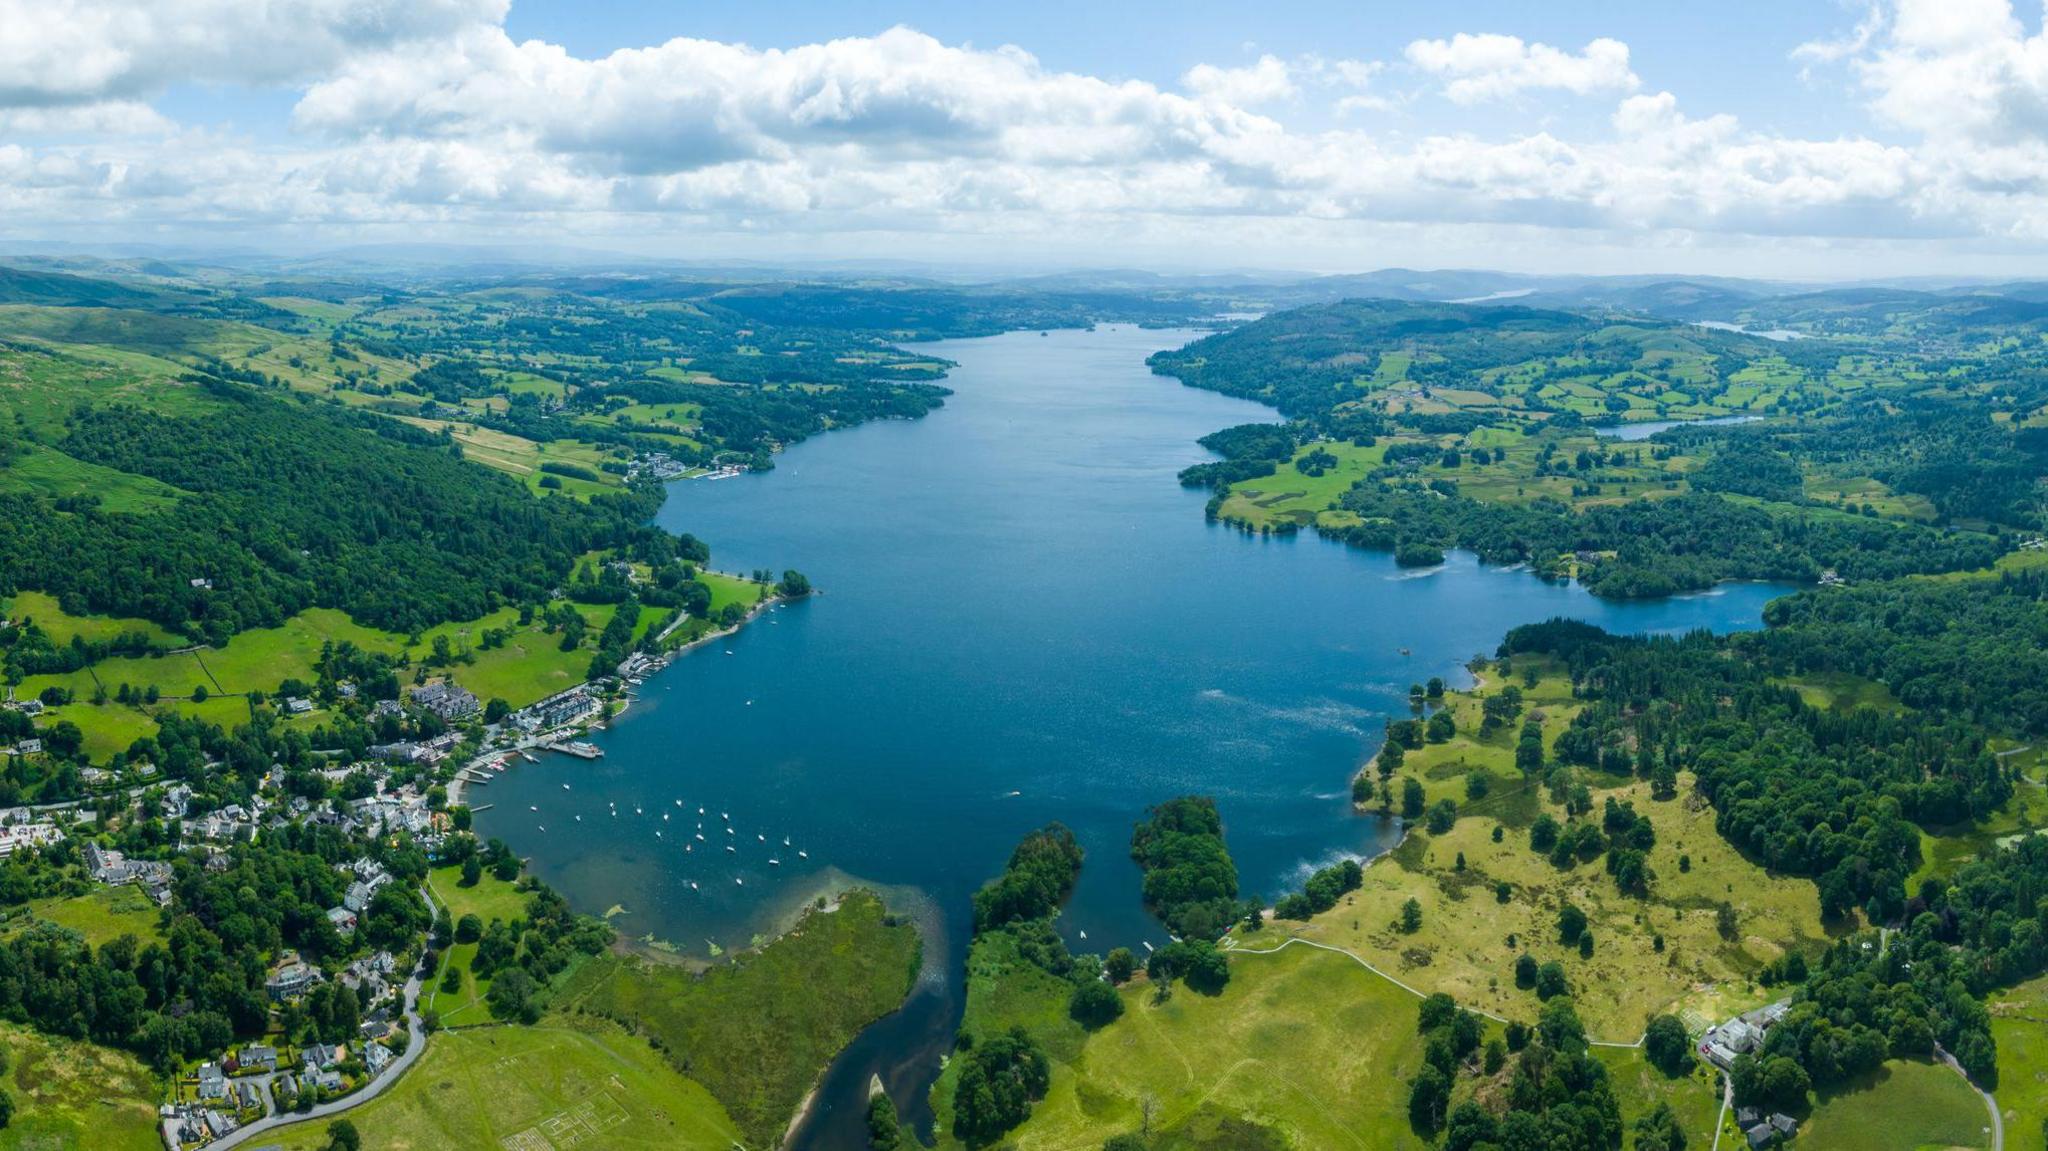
{"x": 1643, "y": 430}
{"x": 1023, "y": 618}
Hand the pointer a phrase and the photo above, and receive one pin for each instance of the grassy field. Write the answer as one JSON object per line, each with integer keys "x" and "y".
{"x": 61, "y": 625}
{"x": 1695, "y": 1098}
{"x": 1290, "y": 496}
{"x": 2019, "y": 1022}
{"x": 1905, "y": 1105}
{"x": 71, "y": 1096}
{"x": 572, "y": 1081}
{"x": 102, "y": 915}
{"x": 1463, "y": 945}
{"x": 1302, "y": 1049}
{"x": 491, "y": 898}
{"x": 758, "y": 1030}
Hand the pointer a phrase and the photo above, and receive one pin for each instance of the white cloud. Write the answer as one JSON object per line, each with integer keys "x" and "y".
{"x": 426, "y": 118}
{"x": 87, "y": 51}
{"x": 1262, "y": 83}
{"x": 1494, "y": 67}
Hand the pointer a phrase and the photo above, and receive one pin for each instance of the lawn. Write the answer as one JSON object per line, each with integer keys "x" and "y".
{"x": 61, "y": 626}
{"x": 466, "y": 1007}
{"x": 1462, "y": 947}
{"x": 2019, "y": 1022}
{"x": 101, "y": 915}
{"x": 1695, "y": 1098}
{"x": 1301, "y": 1049}
{"x": 568, "y": 1080}
{"x": 1907, "y": 1105}
{"x": 491, "y": 898}
{"x": 72, "y": 1096}
{"x": 1290, "y": 496}
{"x": 758, "y": 1030}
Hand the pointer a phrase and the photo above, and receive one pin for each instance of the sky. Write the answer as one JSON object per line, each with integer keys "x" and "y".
{"x": 1805, "y": 140}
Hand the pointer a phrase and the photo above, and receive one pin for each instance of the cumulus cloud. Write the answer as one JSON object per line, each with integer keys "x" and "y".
{"x": 430, "y": 114}
{"x": 88, "y": 51}
{"x": 1262, "y": 83}
{"x": 1495, "y": 67}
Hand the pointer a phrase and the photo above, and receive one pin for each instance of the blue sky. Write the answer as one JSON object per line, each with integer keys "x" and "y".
{"x": 1867, "y": 137}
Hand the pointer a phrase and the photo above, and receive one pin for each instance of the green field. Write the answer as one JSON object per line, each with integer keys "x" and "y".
{"x": 1301, "y": 1049}
{"x": 1911, "y": 1106}
{"x": 1289, "y": 496}
{"x": 2019, "y": 1023}
{"x": 72, "y": 1096}
{"x": 61, "y": 626}
{"x": 573, "y": 1081}
{"x": 102, "y": 915}
{"x": 491, "y": 898}
{"x": 1695, "y": 1097}
{"x": 1462, "y": 947}
{"x": 757, "y": 1030}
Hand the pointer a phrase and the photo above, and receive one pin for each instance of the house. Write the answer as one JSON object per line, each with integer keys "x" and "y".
{"x": 285, "y": 1084}
{"x": 297, "y": 706}
{"x": 257, "y": 1058}
{"x": 345, "y": 689}
{"x": 1742, "y": 1035}
{"x": 359, "y": 894}
{"x": 328, "y": 1081}
{"x": 376, "y": 1057}
{"x": 291, "y": 981}
{"x": 248, "y": 1094}
{"x": 343, "y": 919}
{"x": 1760, "y": 1136}
{"x": 1783, "y": 1124}
{"x": 213, "y": 1083}
{"x": 29, "y": 747}
{"x": 177, "y": 798}
{"x": 1748, "y": 1117}
{"x": 324, "y": 1055}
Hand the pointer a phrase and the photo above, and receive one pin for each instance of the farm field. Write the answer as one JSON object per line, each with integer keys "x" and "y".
{"x": 571, "y": 1081}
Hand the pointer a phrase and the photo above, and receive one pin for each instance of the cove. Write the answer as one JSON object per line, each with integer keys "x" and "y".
{"x": 1024, "y": 618}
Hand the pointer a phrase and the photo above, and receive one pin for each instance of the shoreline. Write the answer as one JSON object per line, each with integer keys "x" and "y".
{"x": 458, "y": 786}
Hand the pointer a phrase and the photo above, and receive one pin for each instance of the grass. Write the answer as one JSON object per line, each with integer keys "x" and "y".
{"x": 491, "y": 898}
{"x": 758, "y": 1030}
{"x": 568, "y": 1080}
{"x": 1638, "y": 1087}
{"x": 2019, "y": 1023}
{"x": 62, "y": 625}
{"x": 1288, "y": 495}
{"x": 1904, "y": 1104}
{"x": 468, "y": 1006}
{"x": 47, "y": 471}
{"x": 1462, "y": 947}
{"x": 1301, "y": 1049}
{"x": 101, "y": 915}
{"x": 73, "y": 1096}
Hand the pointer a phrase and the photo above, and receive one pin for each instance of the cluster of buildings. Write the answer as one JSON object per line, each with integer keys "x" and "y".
{"x": 447, "y": 699}
{"x": 1742, "y": 1035}
{"x": 660, "y": 465}
{"x": 1760, "y": 1130}
{"x": 563, "y": 709}
{"x": 250, "y": 1083}
{"x": 17, "y": 834}
{"x": 116, "y": 870}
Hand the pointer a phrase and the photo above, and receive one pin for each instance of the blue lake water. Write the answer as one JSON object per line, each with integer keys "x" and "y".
{"x": 1024, "y": 618}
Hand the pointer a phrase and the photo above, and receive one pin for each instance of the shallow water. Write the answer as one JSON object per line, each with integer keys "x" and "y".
{"x": 1024, "y": 618}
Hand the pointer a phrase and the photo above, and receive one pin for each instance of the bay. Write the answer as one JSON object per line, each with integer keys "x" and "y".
{"x": 1023, "y": 618}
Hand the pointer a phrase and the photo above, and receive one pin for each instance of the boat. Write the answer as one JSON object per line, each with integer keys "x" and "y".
{"x": 700, "y": 837}
{"x": 785, "y": 841}
{"x": 579, "y": 819}
{"x": 803, "y": 855}
{"x": 531, "y": 807}
{"x": 565, "y": 787}
{"x": 529, "y": 757}
{"x": 730, "y": 847}
{"x": 636, "y": 811}
{"x": 775, "y": 863}
{"x": 657, "y": 835}
{"x": 543, "y": 827}
{"x": 664, "y": 817}
{"x": 738, "y": 880}
{"x": 1084, "y": 935}
{"x": 762, "y": 838}
{"x": 693, "y": 885}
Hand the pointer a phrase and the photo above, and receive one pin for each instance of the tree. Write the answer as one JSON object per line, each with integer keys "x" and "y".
{"x": 469, "y": 928}
{"x": 885, "y": 1133}
{"x": 1095, "y": 1004}
{"x": 1551, "y": 982}
{"x": 514, "y": 995}
{"x": 1443, "y": 815}
{"x": 1411, "y": 917}
{"x": 794, "y": 585}
{"x": 1525, "y": 970}
{"x": 1120, "y": 965}
{"x": 342, "y": 1136}
{"x": 1000, "y": 1079}
{"x": 1667, "y": 1046}
{"x": 1428, "y": 1096}
{"x": 1413, "y": 798}
{"x": 1571, "y": 923}
{"x": 1441, "y": 727}
{"x": 1659, "y": 1130}
{"x": 472, "y": 874}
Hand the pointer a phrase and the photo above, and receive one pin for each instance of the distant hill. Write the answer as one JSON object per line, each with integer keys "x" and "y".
{"x": 59, "y": 289}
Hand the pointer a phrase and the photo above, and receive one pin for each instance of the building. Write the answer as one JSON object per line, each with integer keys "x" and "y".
{"x": 376, "y": 1057}
{"x": 450, "y": 701}
{"x": 1742, "y": 1035}
{"x": 257, "y": 1058}
{"x": 16, "y": 836}
{"x": 343, "y": 920}
{"x": 297, "y": 706}
{"x": 323, "y": 1056}
{"x": 248, "y": 1094}
{"x": 213, "y": 1083}
{"x": 291, "y": 980}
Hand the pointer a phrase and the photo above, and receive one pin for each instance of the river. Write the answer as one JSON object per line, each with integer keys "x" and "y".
{"x": 1024, "y": 618}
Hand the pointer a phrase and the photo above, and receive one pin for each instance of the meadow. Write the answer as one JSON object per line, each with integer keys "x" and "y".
{"x": 1905, "y": 1104}
{"x": 101, "y": 915}
{"x": 1469, "y": 940}
{"x": 758, "y": 1029}
{"x": 75, "y": 1096}
{"x": 2019, "y": 1023}
{"x": 570, "y": 1080}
